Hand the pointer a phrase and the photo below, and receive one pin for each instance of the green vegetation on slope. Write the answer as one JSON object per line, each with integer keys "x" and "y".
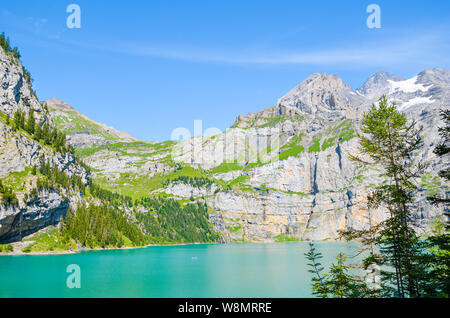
{"x": 41, "y": 132}
{"x": 73, "y": 122}
{"x": 55, "y": 179}
{"x": 49, "y": 239}
{"x": 225, "y": 167}
{"x": 315, "y": 147}
{"x": 6, "y": 248}
{"x": 293, "y": 148}
{"x": 344, "y": 131}
{"x": 285, "y": 238}
{"x": 167, "y": 222}
{"x": 197, "y": 182}
{"x": 431, "y": 183}
{"x": 269, "y": 121}
{"x": 137, "y": 186}
{"x": 7, "y": 195}
{"x": 170, "y": 222}
{"x": 328, "y": 143}
{"x": 101, "y": 227}
{"x": 339, "y": 133}
{"x": 136, "y": 149}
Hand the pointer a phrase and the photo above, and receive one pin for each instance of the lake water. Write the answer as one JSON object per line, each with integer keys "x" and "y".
{"x": 234, "y": 270}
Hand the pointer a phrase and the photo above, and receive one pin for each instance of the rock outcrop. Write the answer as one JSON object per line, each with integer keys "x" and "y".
{"x": 19, "y": 152}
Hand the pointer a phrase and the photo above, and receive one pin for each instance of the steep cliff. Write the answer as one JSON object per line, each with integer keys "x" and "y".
{"x": 21, "y": 152}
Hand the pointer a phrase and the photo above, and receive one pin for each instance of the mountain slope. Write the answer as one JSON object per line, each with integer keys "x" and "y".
{"x": 31, "y": 200}
{"x": 284, "y": 171}
{"x": 377, "y": 85}
{"x": 83, "y": 131}
{"x": 43, "y": 182}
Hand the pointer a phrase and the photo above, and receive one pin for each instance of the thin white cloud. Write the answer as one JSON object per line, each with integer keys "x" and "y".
{"x": 405, "y": 50}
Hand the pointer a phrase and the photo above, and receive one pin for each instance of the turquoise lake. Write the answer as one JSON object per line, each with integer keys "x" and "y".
{"x": 234, "y": 270}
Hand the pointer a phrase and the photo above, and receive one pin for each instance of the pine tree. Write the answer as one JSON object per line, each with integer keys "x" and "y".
{"x": 30, "y": 122}
{"x": 442, "y": 150}
{"x": 438, "y": 244}
{"x": 38, "y": 132}
{"x": 16, "y": 53}
{"x": 340, "y": 284}
{"x": 390, "y": 142}
{"x": 18, "y": 120}
{"x": 318, "y": 281}
{"x": 46, "y": 133}
{"x": 8, "y": 196}
{"x": 337, "y": 283}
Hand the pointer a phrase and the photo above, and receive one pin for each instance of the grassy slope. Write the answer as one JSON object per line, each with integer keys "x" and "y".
{"x": 48, "y": 239}
{"x": 141, "y": 185}
{"x": 73, "y": 122}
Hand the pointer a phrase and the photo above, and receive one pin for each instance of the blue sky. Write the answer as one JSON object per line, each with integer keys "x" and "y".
{"x": 148, "y": 67}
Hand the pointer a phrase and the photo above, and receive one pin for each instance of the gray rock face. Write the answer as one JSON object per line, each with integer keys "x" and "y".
{"x": 182, "y": 190}
{"x": 319, "y": 191}
{"x": 312, "y": 196}
{"x": 377, "y": 85}
{"x": 15, "y": 92}
{"x": 57, "y": 104}
{"x": 19, "y": 152}
{"x": 322, "y": 95}
{"x": 42, "y": 211}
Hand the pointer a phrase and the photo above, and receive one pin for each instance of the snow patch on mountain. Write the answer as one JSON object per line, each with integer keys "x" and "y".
{"x": 416, "y": 101}
{"x": 407, "y": 86}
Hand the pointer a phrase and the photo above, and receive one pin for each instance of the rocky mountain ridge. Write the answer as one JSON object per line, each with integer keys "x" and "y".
{"x": 285, "y": 171}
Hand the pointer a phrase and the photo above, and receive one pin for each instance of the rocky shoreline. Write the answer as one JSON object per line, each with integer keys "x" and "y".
{"x": 18, "y": 252}
{"x": 18, "y": 246}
